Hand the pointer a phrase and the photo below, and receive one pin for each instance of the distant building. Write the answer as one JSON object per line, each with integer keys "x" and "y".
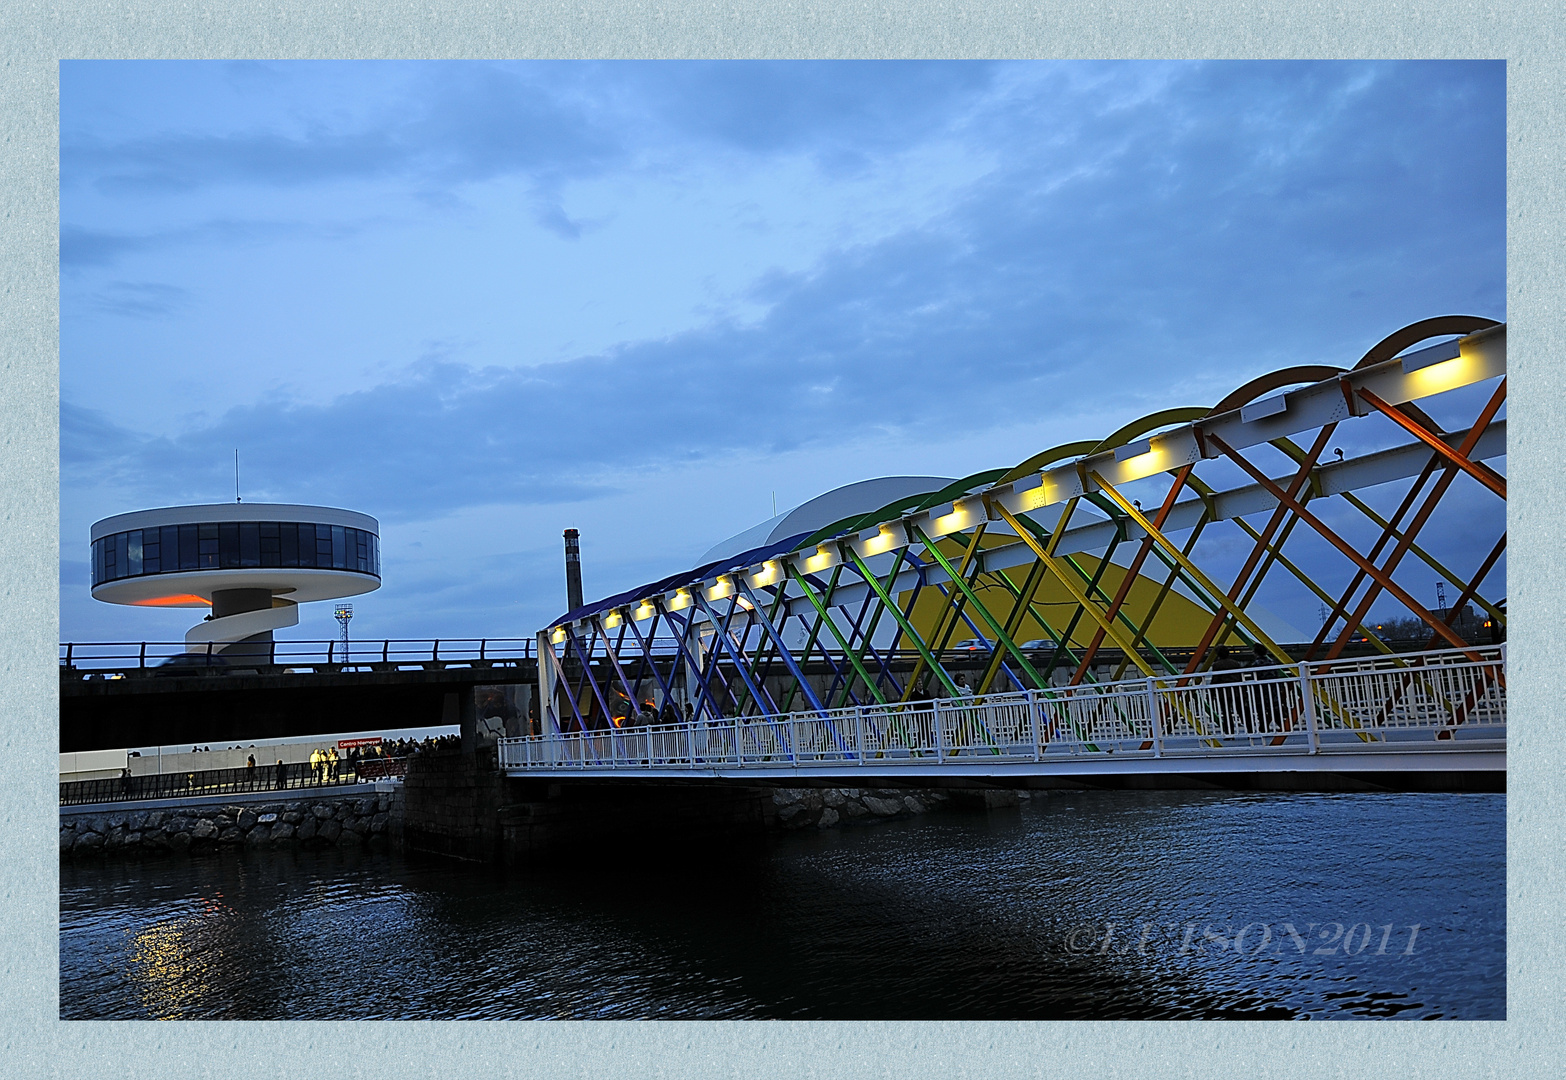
{"x": 252, "y": 564}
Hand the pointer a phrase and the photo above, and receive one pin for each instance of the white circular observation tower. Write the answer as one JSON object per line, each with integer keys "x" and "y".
{"x": 253, "y": 564}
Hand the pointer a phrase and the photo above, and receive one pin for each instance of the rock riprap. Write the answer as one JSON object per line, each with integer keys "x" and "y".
{"x": 822, "y": 808}
{"x": 352, "y": 822}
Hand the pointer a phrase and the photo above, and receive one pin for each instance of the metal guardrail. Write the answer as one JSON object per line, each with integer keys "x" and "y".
{"x": 99, "y": 658}
{"x": 295, "y": 776}
{"x": 1431, "y": 700}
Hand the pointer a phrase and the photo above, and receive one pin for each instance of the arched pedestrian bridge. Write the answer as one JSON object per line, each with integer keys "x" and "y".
{"x": 1250, "y": 586}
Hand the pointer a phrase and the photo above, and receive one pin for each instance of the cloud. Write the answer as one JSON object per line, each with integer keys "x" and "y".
{"x": 1192, "y": 255}
{"x": 1146, "y": 237}
{"x": 140, "y": 300}
{"x": 82, "y": 247}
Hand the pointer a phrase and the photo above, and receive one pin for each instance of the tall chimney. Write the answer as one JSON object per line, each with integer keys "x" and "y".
{"x": 573, "y": 571}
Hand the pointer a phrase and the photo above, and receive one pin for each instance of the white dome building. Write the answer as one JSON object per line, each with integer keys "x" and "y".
{"x": 253, "y": 564}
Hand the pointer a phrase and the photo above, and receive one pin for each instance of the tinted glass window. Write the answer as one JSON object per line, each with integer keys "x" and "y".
{"x": 189, "y": 548}
{"x": 249, "y": 544}
{"x": 133, "y": 549}
{"x": 228, "y": 544}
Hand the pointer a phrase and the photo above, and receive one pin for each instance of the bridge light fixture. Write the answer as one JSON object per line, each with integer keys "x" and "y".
{"x": 1133, "y": 449}
{"x": 1435, "y": 354}
{"x": 960, "y": 518}
{"x": 722, "y": 588}
{"x": 1268, "y": 406}
{"x": 680, "y": 600}
{"x": 644, "y": 611}
{"x": 558, "y": 635}
{"x": 612, "y": 619}
{"x": 770, "y": 572}
{"x": 824, "y": 559}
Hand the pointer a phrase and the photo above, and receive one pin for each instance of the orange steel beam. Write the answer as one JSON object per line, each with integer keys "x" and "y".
{"x": 1298, "y": 481}
{"x": 1477, "y": 469}
{"x": 1473, "y": 586}
{"x": 1344, "y": 546}
{"x": 1340, "y": 607}
{"x": 1130, "y": 575}
{"x": 1406, "y": 540}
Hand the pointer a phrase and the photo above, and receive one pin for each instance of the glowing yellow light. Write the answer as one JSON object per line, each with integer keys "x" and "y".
{"x": 612, "y": 619}
{"x": 823, "y": 559}
{"x": 770, "y": 571}
{"x": 1461, "y": 370}
{"x": 959, "y": 519}
{"x": 558, "y": 635}
{"x": 644, "y": 611}
{"x": 681, "y": 601}
{"x": 723, "y": 588}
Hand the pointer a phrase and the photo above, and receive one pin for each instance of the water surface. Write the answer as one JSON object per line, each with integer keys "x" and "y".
{"x": 1222, "y": 905}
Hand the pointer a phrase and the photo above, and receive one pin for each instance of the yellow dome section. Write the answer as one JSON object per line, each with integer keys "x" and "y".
{"x": 1177, "y": 621}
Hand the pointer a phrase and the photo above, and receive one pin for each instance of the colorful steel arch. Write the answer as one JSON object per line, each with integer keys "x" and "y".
{"x": 1092, "y": 563}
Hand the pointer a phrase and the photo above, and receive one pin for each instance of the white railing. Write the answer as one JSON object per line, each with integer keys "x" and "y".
{"x": 1435, "y": 700}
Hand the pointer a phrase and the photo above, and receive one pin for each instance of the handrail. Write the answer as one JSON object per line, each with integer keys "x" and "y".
{"x": 378, "y": 654}
{"x": 293, "y": 776}
{"x": 1436, "y": 700}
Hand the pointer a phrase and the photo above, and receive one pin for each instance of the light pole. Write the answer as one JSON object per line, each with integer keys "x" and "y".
{"x": 342, "y": 614}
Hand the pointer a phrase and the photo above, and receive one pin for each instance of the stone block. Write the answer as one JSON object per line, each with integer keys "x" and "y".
{"x": 265, "y": 819}
{"x": 67, "y": 838}
{"x": 246, "y": 820}
{"x": 828, "y": 818}
{"x": 180, "y": 841}
{"x": 882, "y": 807}
{"x": 204, "y": 830}
{"x": 330, "y": 830}
{"x": 156, "y": 818}
{"x": 833, "y": 798}
{"x": 133, "y": 839}
{"x": 282, "y": 831}
{"x": 321, "y": 810}
{"x": 88, "y": 841}
{"x": 137, "y": 821}
{"x": 231, "y": 835}
{"x": 913, "y": 804}
{"x": 293, "y": 817}
{"x": 306, "y": 829}
{"x": 257, "y": 836}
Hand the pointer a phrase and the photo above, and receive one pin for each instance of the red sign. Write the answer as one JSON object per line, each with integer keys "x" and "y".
{"x": 344, "y": 744}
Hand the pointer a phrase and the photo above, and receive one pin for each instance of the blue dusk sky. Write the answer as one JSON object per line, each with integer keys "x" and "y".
{"x": 484, "y": 302}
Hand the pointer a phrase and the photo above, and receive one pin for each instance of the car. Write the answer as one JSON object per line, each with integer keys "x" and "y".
{"x": 1038, "y": 645}
{"x": 976, "y": 644}
{"x": 191, "y": 664}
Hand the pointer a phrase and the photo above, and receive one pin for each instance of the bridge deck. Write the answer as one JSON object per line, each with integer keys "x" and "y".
{"x": 1440, "y": 711}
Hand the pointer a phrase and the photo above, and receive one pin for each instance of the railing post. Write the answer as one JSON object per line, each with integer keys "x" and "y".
{"x": 690, "y": 743}
{"x": 330, "y": 645}
{"x": 1152, "y": 718}
{"x": 435, "y": 652}
{"x": 935, "y": 722}
{"x": 143, "y": 662}
{"x": 793, "y": 741}
{"x": 1033, "y": 724}
{"x": 1308, "y": 703}
{"x": 386, "y": 650}
{"x": 859, "y": 732}
{"x": 482, "y": 642}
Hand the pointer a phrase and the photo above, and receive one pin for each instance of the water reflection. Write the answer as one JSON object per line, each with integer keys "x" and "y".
{"x": 1077, "y": 905}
